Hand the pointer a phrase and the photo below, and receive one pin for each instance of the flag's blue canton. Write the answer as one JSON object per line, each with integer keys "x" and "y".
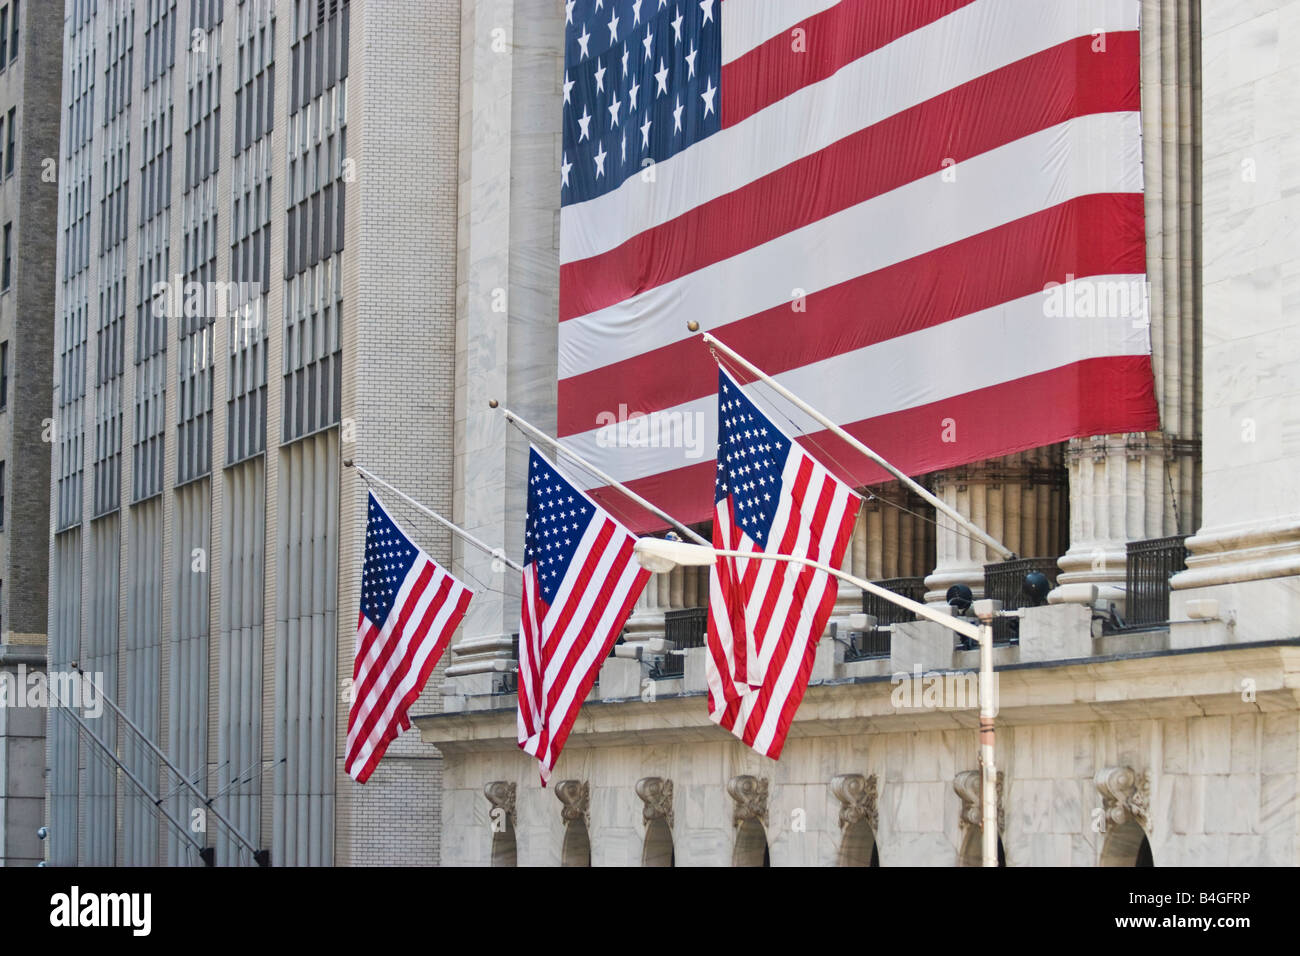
{"x": 641, "y": 82}
{"x": 751, "y": 458}
{"x": 558, "y": 516}
{"x": 389, "y": 557}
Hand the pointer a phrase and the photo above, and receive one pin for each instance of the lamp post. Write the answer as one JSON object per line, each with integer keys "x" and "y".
{"x": 659, "y": 555}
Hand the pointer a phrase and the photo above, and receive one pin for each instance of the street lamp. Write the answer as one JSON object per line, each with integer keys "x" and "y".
{"x": 660, "y": 556}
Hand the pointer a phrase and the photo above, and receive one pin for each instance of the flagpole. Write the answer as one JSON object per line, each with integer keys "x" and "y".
{"x": 450, "y": 526}
{"x": 553, "y": 443}
{"x": 939, "y": 504}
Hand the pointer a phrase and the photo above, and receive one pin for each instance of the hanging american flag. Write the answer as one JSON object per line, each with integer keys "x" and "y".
{"x": 580, "y": 582}
{"x": 925, "y": 217}
{"x": 765, "y": 617}
{"x": 409, "y": 609}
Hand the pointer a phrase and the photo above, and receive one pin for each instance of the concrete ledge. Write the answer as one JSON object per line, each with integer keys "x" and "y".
{"x": 1056, "y": 632}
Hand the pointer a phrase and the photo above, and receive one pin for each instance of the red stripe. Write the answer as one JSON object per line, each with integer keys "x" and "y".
{"x": 1001, "y": 107}
{"x": 529, "y": 643}
{"x": 362, "y": 692}
{"x": 560, "y": 734}
{"x": 401, "y": 719}
{"x": 799, "y": 686}
{"x": 829, "y": 41}
{"x": 1092, "y": 235}
{"x": 392, "y": 677}
{"x": 576, "y": 592}
{"x": 1093, "y": 397}
{"x": 795, "y": 627}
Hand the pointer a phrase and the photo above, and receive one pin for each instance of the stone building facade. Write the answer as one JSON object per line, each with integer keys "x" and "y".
{"x": 30, "y": 54}
{"x": 257, "y": 279}
{"x": 1126, "y": 736}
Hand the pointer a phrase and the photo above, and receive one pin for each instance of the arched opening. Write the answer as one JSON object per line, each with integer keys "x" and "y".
{"x": 858, "y": 847}
{"x": 658, "y": 850}
{"x": 972, "y": 849}
{"x": 751, "y": 845}
{"x": 1127, "y": 845}
{"x": 577, "y": 846}
{"x": 503, "y": 845}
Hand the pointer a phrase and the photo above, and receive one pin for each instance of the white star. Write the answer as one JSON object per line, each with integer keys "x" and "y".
{"x": 600, "y": 79}
{"x": 624, "y": 153}
{"x": 635, "y": 89}
{"x": 662, "y": 78}
{"x": 690, "y": 61}
{"x": 677, "y": 26}
{"x": 647, "y": 41}
{"x": 707, "y": 7}
{"x": 584, "y": 121}
{"x": 677, "y": 116}
{"x": 600, "y": 161}
{"x": 645, "y": 131}
{"x": 598, "y": 3}
{"x": 568, "y": 85}
{"x": 613, "y": 112}
{"x": 625, "y": 59}
{"x": 661, "y": 3}
{"x": 636, "y": 12}
{"x": 582, "y": 42}
{"x": 707, "y": 96}
{"x": 568, "y": 10}
{"x": 565, "y": 166}
{"x": 613, "y": 26}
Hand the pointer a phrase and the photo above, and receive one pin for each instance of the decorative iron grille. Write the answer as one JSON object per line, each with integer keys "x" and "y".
{"x": 1151, "y": 563}
{"x": 684, "y": 628}
{"x": 1005, "y": 582}
{"x": 875, "y": 642}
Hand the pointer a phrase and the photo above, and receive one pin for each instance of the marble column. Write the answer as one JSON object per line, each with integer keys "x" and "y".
{"x": 1129, "y": 487}
{"x": 1244, "y": 568}
{"x": 887, "y": 542}
{"x": 1019, "y": 499}
{"x": 507, "y": 300}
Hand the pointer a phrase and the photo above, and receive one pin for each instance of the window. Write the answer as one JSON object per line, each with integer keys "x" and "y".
{"x": 2, "y": 494}
{"x": 4, "y": 374}
{"x": 7, "y": 269}
{"x": 2, "y": 140}
{"x": 4, "y": 37}
{"x": 13, "y": 37}
{"x": 9, "y": 141}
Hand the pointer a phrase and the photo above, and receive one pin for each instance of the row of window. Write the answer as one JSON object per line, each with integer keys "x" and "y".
{"x": 9, "y": 16}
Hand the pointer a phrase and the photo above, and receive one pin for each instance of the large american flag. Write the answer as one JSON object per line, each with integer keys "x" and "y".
{"x": 409, "y": 609}
{"x": 870, "y": 199}
{"x": 580, "y": 582}
{"x": 765, "y": 617}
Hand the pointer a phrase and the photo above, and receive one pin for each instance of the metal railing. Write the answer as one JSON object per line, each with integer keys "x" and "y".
{"x": 1005, "y": 582}
{"x": 1151, "y": 563}
{"x": 875, "y": 642}
{"x": 684, "y": 628}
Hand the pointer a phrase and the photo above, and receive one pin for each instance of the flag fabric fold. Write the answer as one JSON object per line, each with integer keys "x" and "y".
{"x": 409, "y": 609}
{"x": 579, "y": 584}
{"x": 766, "y": 616}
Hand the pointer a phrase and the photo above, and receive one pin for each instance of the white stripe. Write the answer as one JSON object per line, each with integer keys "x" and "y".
{"x": 591, "y": 656}
{"x": 411, "y": 675}
{"x": 395, "y": 614}
{"x": 361, "y": 707}
{"x": 395, "y": 660}
{"x": 978, "y": 39}
{"x": 1091, "y": 154}
{"x": 750, "y": 23}
{"x": 1001, "y": 344}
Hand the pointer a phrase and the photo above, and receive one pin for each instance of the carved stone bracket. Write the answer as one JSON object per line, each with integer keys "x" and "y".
{"x": 1125, "y": 795}
{"x": 657, "y": 794}
{"x": 576, "y": 797}
{"x": 857, "y": 796}
{"x": 502, "y": 797}
{"x": 750, "y": 794}
{"x": 969, "y": 785}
